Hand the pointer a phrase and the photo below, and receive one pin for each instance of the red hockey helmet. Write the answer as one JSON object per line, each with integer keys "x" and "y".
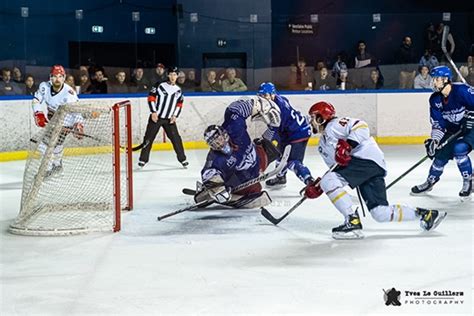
{"x": 321, "y": 113}
{"x": 57, "y": 70}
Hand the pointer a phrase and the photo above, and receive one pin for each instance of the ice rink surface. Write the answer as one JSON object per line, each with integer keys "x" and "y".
{"x": 226, "y": 262}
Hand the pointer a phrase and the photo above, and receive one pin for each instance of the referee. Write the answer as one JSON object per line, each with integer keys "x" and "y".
{"x": 165, "y": 101}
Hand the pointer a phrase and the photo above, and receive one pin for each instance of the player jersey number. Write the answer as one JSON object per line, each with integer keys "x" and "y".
{"x": 298, "y": 118}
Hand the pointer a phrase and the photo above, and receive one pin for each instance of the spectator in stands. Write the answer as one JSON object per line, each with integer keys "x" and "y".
{"x": 184, "y": 83}
{"x": 84, "y": 82}
{"x": 320, "y": 65}
{"x": 340, "y": 63}
{"x": 159, "y": 75}
{"x": 470, "y": 77}
{"x": 423, "y": 79}
{"x": 428, "y": 59}
{"x": 8, "y": 86}
{"x": 464, "y": 69}
{"x": 30, "y": 86}
{"x": 192, "y": 80}
{"x": 17, "y": 76}
{"x": 323, "y": 81}
{"x": 430, "y": 37}
{"x": 363, "y": 58}
{"x": 406, "y": 58}
{"x": 211, "y": 84}
{"x": 299, "y": 77}
{"x": 70, "y": 81}
{"x": 119, "y": 86}
{"x": 232, "y": 83}
{"x": 99, "y": 83}
{"x": 139, "y": 82}
{"x": 343, "y": 82}
{"x": 450, "y": 45}
{"x": 375, "y": 82}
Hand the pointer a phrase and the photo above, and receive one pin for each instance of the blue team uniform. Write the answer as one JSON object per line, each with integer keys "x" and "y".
{"x": 295, "y": 130}
{"x": 446, "y": 116}
{"x": 243, "y": 164}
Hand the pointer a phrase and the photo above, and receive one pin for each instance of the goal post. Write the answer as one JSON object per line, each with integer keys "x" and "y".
{"x": 78, "y": 174}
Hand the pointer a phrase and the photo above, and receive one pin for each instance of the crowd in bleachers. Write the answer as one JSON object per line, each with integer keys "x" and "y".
{"x": 362, "y": 71}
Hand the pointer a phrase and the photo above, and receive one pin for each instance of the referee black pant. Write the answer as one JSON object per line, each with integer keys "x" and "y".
{"x": 171, "y": 131}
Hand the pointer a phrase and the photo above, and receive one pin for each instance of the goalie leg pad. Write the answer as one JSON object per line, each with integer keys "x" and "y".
{"x": 254, "y": 200}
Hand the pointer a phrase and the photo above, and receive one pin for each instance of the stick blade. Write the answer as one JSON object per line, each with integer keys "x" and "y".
{"x": 265, "y": 213}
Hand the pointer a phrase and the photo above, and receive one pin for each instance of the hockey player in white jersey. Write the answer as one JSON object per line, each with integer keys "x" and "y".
{"x": 48, "y": 98}
{"x": 347, "y": 142}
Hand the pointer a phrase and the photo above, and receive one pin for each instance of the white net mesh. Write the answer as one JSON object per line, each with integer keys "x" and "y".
{"x": 68, "y": 185}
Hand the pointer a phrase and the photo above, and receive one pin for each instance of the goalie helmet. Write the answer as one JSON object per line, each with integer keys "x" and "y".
{"x": 266, "y": 111}
{"x": 218, "y": 139}
{"x": 321, "y": 113}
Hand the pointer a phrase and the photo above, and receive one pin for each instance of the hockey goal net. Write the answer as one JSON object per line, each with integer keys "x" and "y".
{"x": 78, "y": 181}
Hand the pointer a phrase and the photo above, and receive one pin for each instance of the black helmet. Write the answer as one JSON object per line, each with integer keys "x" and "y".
{"x": 173, "y": 69}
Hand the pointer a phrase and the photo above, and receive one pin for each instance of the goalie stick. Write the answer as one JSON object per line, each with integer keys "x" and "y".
{"x": 263, "y": 177}
{"x": 275, "y": 221}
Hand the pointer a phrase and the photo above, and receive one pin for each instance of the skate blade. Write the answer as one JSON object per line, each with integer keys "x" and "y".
{"x": 420, "y": 194}
{"x": 355, "y": 234}
{"x": 438, "y": 220}
{"x": 466, "y": 198}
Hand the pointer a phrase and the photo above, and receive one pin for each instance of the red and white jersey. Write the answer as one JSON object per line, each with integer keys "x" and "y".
{"x": 353, "y": 129}
{"x": 46, "y": 100}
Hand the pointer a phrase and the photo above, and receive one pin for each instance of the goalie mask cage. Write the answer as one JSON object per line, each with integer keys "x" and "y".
{"x": 78, "y": 181}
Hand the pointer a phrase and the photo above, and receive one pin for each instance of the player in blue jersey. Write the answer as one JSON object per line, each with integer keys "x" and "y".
{"x": 294, "y": 130}
{"x": 234, "y": 158}
{"x": 451, "y": 110}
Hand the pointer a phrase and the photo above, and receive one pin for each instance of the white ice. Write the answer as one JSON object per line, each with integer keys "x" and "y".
{"x": 224, "y": 262}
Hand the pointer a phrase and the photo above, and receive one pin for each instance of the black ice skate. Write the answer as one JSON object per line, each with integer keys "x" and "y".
{"x": 351, "y": 229}
{"x": 276, "y": 183}
{"x": 423, "y": 188}
{"x": 465, "y": 193}
{"x": 185, "y": 164}
{"x": 56, "y": 169}
{"x": 430, "y": 219}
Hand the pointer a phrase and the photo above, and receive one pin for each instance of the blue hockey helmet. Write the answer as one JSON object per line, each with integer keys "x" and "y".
{"x": 267, "y": 87}
{"x": 441, "y": 71}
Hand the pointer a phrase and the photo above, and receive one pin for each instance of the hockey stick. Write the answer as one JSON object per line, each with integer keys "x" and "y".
{"x": 444, "y": 38}
{"x": 263, "y": 177}
{"x": 440, "y": 146}
{"x": 275, "y": 221}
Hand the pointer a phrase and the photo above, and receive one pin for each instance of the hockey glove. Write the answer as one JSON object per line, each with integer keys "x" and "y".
{"x": 313, "y": 189}
{"x": 431, "y": 145}
{"x": 78, "y": 130}
{"x": 343, "y": 152}
{"x": 40, "y": 119}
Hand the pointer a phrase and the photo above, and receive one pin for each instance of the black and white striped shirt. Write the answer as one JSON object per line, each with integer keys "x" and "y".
{"x": 166, "y": 100}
